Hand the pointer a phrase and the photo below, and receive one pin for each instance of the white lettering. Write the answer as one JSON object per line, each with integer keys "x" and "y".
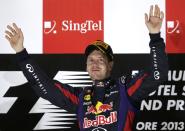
{"x": 176, "y": 104}
{"x": 100, "y": 120}
{"x": 176, "y": 76}
{"x": 146, "y": 126}
{"x": 88, "y": 25}
{"x": 151, "y": 105}
{"x": 165, "y": 90}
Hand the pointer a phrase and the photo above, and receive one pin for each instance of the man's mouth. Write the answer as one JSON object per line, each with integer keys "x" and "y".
{"x": 95, "y": 69}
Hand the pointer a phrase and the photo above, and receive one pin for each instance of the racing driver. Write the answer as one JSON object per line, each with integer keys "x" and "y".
{"x": 109, "y": 104}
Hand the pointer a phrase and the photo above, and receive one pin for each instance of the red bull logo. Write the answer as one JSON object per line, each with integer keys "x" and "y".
{"x": 100, "y": 120}
{"x": 91, "y": 109}
{"x": 99, "y": 108}
{"x": 105, "y": 107}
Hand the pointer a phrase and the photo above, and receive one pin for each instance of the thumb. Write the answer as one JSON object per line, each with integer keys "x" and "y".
{"x": 146, "y": 18}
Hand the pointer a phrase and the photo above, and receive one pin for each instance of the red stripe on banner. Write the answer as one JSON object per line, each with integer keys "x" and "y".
{"x": 68, "y": 94}
{"x": 175, "y": 19}
{"x": 70, "y": 25}
{"x": 136, "y": 85}
{"x": 129, "y": 121}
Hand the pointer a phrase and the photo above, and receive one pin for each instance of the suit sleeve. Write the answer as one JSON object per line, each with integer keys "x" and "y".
{"x": 148, "y": 81}
{"x": 59, "y": 94}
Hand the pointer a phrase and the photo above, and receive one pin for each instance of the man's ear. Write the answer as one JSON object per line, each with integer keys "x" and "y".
{"x": 111, "y": 64}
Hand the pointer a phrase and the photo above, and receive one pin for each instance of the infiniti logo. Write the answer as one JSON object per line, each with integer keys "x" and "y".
{"x": 30, "y": 68}
{"x": 156, "y": 75}
{"x": 155, "y": 64}
{"x": 99, "y": 129}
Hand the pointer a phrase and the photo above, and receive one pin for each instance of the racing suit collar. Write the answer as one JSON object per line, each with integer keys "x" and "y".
{"x": 102, "y": 83}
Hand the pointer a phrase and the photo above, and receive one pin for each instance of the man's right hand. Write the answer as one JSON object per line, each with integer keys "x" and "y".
{"x": 15, "y": 37}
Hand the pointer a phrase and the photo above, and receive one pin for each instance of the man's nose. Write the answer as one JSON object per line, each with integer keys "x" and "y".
{"x": 96, "y": 62}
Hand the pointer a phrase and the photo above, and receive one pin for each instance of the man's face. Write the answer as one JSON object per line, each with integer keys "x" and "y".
{"x": 98, "y": 65}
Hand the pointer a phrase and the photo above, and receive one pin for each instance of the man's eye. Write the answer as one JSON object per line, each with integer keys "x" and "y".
{"x": 101, "y": 60}
{"x": 91, "y": 60}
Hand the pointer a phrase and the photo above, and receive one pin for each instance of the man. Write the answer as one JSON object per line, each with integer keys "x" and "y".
{"x": 110, "y": 104}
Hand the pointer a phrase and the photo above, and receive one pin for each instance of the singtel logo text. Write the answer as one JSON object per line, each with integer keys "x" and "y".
{"x": 69, "y": 25}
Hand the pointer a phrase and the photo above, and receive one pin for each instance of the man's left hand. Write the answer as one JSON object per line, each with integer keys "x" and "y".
{"x": 154, "y": 20}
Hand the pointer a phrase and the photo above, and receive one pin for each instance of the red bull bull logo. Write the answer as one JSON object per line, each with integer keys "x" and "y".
{"x": 99, "y": 108}
{"x": 91, "y": 109}
{"x": 105, "y": 107}
{"x": 100, "y": 120}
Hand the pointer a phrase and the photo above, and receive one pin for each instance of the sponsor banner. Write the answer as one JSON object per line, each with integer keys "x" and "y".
{"x": 21, "y": 109}
{"x": 61, "y": 26}
{"x": 51, "y": 25}
{"x": 69, "y": 26}
{"x": 175, "y": 20}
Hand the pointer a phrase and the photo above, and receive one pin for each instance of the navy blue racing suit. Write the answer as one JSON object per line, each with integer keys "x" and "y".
{"x": 121, "y": 96}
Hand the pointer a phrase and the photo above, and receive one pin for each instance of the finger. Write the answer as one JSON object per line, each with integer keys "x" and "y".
{"x": 8, "y": 38}
{"x": 158, "y": 11}
{"x": 162, "y": 15}
{"x": 16, "y": 27}
{"x": 11, "y": 29}
{"x": 151, "y": 10}
{"x": 20, "y": 32}
{"x": 9, "y": 33}
{"x": 155, "y": 10}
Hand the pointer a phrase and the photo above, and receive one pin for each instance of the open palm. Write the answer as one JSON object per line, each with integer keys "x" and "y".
{"x": 15, "y": 37}
{"x": 154, "y": 20}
